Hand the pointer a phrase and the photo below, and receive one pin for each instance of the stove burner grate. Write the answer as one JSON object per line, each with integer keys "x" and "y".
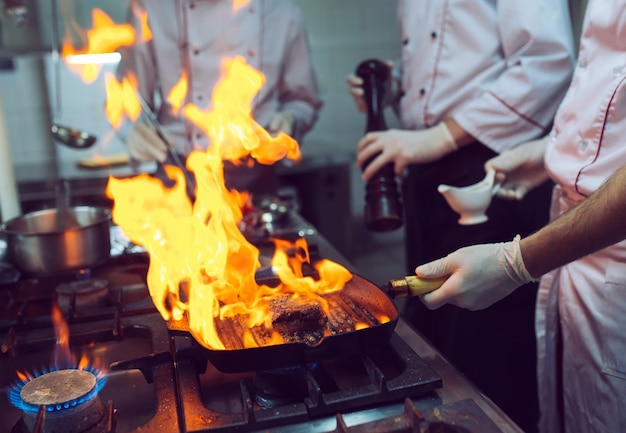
{"x": 232, "y": 403}
{"x": 82, "y": 294}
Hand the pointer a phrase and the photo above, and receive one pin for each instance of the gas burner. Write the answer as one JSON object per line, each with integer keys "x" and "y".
{"x": 62, "y": 401}
{"x": 82, "y": 294}
{"x": 279, "y": 387}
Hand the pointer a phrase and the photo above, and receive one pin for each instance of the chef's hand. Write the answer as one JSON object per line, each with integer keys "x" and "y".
{"x": 283, "y": 121}
{"x": 144, "y": 144}
{"x": 355, "y": 87}
{"x": 403, "y": 148}
{"x": 479, "y": 275}
{"x": 520, "y": 169}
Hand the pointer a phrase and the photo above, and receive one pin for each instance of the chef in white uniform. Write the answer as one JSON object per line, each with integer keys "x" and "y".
{"x": 581, "y": 305}
{"x": 478, "y": 77}
{"x": 195, "y": 37}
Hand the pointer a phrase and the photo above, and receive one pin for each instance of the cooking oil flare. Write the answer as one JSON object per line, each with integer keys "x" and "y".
{"x": 103, "y": 38}
{"x": 202, "y": 268}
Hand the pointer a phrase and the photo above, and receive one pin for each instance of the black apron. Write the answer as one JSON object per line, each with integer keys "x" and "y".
{"x": 495, "y": 348}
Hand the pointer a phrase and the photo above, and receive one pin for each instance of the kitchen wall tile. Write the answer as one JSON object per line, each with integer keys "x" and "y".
{"x": 26, "y": 111}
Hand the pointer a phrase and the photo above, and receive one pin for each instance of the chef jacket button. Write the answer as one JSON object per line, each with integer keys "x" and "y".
{"x": 582, "y": 146}
{"x": 422, "y": 91}
{"x": 192, "y": 5}
{"x": 405, "y": 41}
{"x": 198, "y": 136}
{"x": 251, "y": 52}
{"x": 433, "y": 35}
{"x": 200, "y": 97}
{"x": 196, "y": 52}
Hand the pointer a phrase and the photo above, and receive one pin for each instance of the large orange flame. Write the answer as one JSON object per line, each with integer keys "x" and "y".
{"x": 121, "y": 100}
{"x": 239, "y": 4}
{"x": 177, "y": 95}
{"x": 201, "y": 266}
{"x": 103, "y": 38}
{"x": 230, "y": 125}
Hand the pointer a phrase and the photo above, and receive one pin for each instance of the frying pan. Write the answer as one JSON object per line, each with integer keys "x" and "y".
{"x": 359, "y": 300}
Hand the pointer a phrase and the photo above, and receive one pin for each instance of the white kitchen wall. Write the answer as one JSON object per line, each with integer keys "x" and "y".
{"x": 26, "y": 112}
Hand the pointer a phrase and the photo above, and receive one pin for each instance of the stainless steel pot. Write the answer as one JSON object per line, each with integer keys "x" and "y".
{"x": 50, "y": 241}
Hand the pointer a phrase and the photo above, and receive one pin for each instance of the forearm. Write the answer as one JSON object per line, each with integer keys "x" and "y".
{"x": 305, "y": 114}
{"x": 460, "y": 135}
{"x": 597, "y": 222}
{"x": 298, "y": 88}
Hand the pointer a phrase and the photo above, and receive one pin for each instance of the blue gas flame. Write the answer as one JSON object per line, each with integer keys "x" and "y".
{"x": 18, "y": 402}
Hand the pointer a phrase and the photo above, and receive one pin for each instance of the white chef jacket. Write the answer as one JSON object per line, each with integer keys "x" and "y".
{"x": 197, "y": 35}
{"x": 499, "y": 68}
{"x": 587, "y": 297}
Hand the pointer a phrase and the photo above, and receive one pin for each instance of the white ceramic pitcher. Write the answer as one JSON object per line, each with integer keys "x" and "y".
{"x": 471, "y": 202}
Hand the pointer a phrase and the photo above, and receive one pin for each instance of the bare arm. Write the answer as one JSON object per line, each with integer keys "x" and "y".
{"x": 596, "y": 223}
{"x": 460, "y": 135}
{"x": 480, "y": 275}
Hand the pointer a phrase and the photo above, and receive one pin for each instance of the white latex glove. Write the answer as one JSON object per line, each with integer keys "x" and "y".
{"x": 283, "y": 121}
{"x": 403, "y": 148}
{"x": 144, "y": 144}
{"x": 520, "y": 169}
{"x": 479, "y": 275}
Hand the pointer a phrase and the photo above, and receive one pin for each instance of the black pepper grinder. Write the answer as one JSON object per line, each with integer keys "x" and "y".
{"x": 383, "y": 207}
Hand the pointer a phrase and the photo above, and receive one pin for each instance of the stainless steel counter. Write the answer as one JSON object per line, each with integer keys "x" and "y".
{"x": 455, "y": 386}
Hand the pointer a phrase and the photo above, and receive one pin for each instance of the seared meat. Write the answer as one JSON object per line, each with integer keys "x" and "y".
{"x": 297, "y": 319}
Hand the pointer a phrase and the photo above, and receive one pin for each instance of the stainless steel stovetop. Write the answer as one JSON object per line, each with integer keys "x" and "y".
{"x": 160, "y": 382}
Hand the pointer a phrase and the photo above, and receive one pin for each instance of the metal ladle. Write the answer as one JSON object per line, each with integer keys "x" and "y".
{"x": 72, "y": 137}
{"x": 68, "y": 136}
